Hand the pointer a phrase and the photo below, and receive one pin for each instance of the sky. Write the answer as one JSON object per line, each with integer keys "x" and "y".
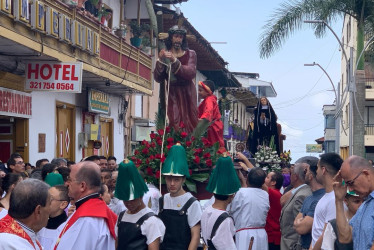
{"x": 301, "y": 91}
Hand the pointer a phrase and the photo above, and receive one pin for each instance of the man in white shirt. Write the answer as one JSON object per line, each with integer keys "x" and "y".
{"x": 217, "y": 227}
{"x": 249, "y": 210}
{"x": 179, "y": 210}
{"x": 28, "y": 213}
{"x": 328, "y": 166}
{"x": 137, "y": 228}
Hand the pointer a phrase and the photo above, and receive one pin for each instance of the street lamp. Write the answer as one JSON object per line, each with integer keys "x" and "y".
{"x": 350, "y": 80}
{"x": 337, "y": 126}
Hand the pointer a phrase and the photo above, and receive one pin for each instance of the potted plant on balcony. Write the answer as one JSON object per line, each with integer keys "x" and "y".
{"x": 137, "y": 31}
{"x": 121, "y": 30}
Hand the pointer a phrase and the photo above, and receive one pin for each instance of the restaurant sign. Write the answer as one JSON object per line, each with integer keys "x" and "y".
{"x": 57, "y": 77}
{"x": 98, "y": 102}
{"x": 15, "y": 103}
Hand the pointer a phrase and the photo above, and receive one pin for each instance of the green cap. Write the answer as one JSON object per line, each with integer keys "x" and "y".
{"x": 130, "y": 185}
{"x": 54, "y": 179}
{"x": 176, "y": 162}
{"x": 224, "y": 180}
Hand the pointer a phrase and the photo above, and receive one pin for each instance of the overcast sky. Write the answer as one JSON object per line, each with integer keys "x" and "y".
{"x": 302, "y": 91}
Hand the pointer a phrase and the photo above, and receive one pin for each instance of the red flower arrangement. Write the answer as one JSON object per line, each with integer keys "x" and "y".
{"x": 201, "y": 155}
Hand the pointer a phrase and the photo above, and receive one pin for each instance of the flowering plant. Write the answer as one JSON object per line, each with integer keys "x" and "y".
{"x": 267, "y": 159}
{"x": 286, "y": 156}
{"x": 201, "y": 155}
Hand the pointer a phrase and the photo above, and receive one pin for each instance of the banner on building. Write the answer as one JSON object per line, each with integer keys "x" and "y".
{"x": 314, "y": 148}
{"x": 15, "y": 103}
{"x": 58, "y": 77}
{"x": 98, "y": 102}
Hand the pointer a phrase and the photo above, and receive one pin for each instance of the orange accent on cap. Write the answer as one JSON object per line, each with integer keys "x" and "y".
{"x": 206, "y": 88}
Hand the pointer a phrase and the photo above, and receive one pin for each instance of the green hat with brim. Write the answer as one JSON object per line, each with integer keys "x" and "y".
{"x": 130, "y": 185}
{"x": 224, "y": 180}
{"x": 54, "y": 179}
{"x": 176, "y": 162}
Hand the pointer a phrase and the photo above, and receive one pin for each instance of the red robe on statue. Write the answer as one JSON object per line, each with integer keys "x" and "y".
{"x": 182, "y": 99}
{"x": 208, "y": 109}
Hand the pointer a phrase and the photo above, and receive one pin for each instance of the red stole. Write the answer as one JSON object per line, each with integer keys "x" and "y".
{"x": 92, "y": 208}
{"x": 10, "y": 226}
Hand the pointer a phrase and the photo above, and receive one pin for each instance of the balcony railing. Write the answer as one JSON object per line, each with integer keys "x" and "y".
{"x": 369, "y": 129}
{"x": 114, "y": 55}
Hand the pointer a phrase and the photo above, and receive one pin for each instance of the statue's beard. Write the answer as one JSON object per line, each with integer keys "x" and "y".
{"x": 177, "y": 45}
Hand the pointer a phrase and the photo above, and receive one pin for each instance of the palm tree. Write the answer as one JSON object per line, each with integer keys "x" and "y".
{"x": 289, "y": 17}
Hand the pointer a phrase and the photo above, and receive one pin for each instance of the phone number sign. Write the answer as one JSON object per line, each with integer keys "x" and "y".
{"x": 58, "y": 77}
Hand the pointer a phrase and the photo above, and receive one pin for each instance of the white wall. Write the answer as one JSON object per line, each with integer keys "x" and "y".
{"x": 44, "y": 121}
{"x": 131, "y": 10}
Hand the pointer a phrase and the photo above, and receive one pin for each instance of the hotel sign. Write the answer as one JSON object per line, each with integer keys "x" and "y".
{"x": 57, "y": 77}
{"x": 45, "y": 19}
{"x": 98, "y": 102}
{"x": 15, "y": 103}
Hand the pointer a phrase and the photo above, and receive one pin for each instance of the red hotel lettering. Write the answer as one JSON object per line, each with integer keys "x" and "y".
{"x": 30, "y": 71}
{"x": 57, "y": 67}
{"x": 65, "y": 72}
{"x": 45, "y": 71}
{"x": 45, "y": 77}
{"x": 73, "y": 77}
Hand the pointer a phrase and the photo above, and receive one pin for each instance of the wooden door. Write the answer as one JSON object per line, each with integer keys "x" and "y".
{"x": 65, "y": 131}
{"x": 14, "y": 138}
{"x": 106, "y": 137}
{"x": 22, "y": 138}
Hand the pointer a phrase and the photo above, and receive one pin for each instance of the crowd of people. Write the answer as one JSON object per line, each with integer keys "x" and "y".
{"x": 316, "y": 203}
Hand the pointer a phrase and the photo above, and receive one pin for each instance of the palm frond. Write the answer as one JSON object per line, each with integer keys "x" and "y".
{"x": 201, "y": 128}
{"x": 286, "y": 20}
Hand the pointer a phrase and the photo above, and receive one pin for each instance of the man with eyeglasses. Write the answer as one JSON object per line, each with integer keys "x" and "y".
{"x": 328, "y": 166}
{"x": 16, "y": 164}
{"x": 356, "y": 174}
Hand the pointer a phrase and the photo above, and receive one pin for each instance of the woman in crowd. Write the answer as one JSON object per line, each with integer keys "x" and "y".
{"x": 8, "y": 184}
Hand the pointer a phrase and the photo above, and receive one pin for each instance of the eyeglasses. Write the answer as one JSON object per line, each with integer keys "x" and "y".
{"x": 54, "y": 199}
{"x": 20, "y": 162}
{"x": 351, "y": 182}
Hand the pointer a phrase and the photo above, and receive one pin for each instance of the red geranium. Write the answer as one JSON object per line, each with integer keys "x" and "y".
{"x": 136, "y": 152}
{"x": 145, "y": 151}
{"x": 149, "y": 171}
{"x": 151, "y": 157}
{"x": 159, "y": 142}
{"x": 152, "y": 135}
{"x": 208, "y": 163}
{"x": 207, "y": 155}
{"x": 160, "y": 132}
{"x": 206, "y": 142}
{"x": 157, "y": 174}
{"x": 167, "y": 129}
{"x": 169, "y": 146}
{"x": 198, "y": 151}
{"x": 188, "y": 143}
{"x": 197, "y": 159}
{"x": 184, "y": 134}
{"x": 170, "y": 140}
{"x": 153, "y": 144}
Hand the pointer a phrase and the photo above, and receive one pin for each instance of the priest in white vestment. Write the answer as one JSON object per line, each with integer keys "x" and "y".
{"x": 28, "y": 213}
{"x": 91, "y": 226}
